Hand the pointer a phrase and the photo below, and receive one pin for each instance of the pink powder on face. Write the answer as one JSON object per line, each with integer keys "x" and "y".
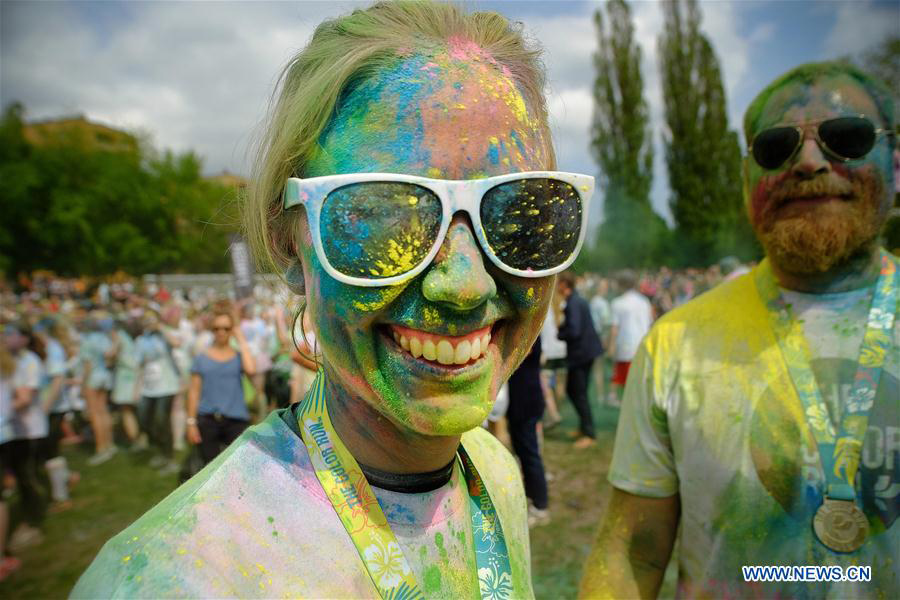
{"x": 760, "y": 195}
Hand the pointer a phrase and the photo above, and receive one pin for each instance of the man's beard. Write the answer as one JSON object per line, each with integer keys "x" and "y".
{"x": 818, "y": 238}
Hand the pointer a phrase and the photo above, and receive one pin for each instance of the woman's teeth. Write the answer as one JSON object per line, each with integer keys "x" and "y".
{"x": 444, "y": 350}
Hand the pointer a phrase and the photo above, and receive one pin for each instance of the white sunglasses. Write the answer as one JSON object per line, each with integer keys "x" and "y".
{"x": 380, "y": 229}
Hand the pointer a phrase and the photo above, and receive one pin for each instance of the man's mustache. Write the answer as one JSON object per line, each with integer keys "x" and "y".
{"x": 824, "y": 185}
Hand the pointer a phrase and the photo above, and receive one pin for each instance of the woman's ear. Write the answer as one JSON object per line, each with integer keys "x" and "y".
{"x": 293, "y": 275}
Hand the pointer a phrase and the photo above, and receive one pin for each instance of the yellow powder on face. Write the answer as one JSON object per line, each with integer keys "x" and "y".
{"x": 530, "y": 293}
{"x": 384, "y": 297}
{"x": 435, "y": 173}
{"x": 431, "y": 317}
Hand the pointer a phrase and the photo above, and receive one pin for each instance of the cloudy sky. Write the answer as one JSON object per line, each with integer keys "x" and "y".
{"x": 198, "y": 75}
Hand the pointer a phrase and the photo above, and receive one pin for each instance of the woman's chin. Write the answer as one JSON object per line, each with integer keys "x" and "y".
{"x": 449, "y": 416}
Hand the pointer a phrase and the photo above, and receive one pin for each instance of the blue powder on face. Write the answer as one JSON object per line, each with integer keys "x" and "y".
{"x": 356, "y": 116}
{"x": 515, "y": 137}
{"x": 494, "y": 154}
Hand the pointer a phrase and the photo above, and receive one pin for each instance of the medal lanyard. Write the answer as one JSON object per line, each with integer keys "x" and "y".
{"x": 838, "y": 451}
{"x": 358, "y": 509}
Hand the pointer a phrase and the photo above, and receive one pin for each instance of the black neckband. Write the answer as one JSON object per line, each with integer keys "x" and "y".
{"x": 416, "y": 483}
{"x": 408, "y": 483}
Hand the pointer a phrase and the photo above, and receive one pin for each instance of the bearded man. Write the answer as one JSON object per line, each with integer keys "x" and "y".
{"x": 764, "y": 416}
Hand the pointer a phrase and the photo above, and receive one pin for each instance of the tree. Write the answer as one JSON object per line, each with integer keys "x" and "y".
{"x": 622, "y": 144}
{"x": 702, "y": 154}
{"x": 77, "y": 209}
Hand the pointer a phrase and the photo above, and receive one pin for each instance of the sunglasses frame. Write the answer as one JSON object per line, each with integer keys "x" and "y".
{"x": 801, "y": 130}
{"x": 454, "y": 195}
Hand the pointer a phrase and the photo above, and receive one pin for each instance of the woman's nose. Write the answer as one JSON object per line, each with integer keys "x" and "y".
{"x": 457, "y": 277}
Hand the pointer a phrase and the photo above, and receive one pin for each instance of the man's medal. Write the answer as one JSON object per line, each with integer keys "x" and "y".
{"x": 839, "y": 523}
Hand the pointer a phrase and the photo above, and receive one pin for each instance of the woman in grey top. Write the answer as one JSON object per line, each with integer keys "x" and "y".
{"x": 217, "y": 413}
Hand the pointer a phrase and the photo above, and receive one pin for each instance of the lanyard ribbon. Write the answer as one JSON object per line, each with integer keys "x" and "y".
{"x": 358, "y": 509}
{"x": 839, "y": 451}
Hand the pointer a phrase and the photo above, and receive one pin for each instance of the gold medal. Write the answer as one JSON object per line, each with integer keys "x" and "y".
{"x": 841, "y": 525}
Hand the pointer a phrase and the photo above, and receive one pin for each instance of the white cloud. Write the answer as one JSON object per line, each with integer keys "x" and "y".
{"x": 569, "y": 43}
{"x": 196, "y": 75}
{"x": 858, "y": 25}
{"x": 763, "y": 33}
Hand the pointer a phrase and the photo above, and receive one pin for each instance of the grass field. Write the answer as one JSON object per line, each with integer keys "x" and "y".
{"x": 112, "y": 495}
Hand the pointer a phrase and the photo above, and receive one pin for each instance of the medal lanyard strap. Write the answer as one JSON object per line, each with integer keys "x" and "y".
{"x": 838, "y": 451}
{"x": 357, "y": 507}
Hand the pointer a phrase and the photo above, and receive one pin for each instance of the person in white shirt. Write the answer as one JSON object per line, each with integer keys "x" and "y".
{"x": 601, "y": 314}
{"x": 632, "y": 317}
{"x": 553, "y": 362}
{"x": 257, "y": 333}
{"x": 27, "y": 432}
{"x": 158, "y": 381}
{"x": 54, "y": 405}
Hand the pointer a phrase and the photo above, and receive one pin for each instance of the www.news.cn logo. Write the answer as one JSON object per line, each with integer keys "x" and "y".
{"x": 807, "y": 573}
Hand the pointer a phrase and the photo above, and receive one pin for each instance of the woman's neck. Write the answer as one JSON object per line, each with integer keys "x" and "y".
{"x": 376, "y": 441}
{"x": 859, "y": 271}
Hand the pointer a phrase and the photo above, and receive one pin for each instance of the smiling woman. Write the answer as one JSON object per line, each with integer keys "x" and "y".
{"x": 405, "y": 184}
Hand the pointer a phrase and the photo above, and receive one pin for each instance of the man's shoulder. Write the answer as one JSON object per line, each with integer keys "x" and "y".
{"x": 725, "y": 309}
{"x": 575, "y": 301}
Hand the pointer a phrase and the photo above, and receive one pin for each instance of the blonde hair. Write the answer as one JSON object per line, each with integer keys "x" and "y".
{"x": 344, "y": 51}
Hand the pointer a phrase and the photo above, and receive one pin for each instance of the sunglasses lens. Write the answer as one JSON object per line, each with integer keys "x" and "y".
{"x": 774, "y": 146}
{"x": 532, "y": 224}
{"x": 848, "y": 137}
{"x": 376, "y": 230}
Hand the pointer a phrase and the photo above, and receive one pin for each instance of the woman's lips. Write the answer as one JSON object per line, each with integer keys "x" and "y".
{"x": 444, "y": 350}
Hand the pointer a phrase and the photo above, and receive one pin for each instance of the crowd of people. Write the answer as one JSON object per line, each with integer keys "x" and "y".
{"x": 123, "y": 367}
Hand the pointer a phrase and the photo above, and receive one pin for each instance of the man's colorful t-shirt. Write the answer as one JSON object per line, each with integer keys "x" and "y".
{"x": 710, "y": 413}
{"x": 256, "y": 523}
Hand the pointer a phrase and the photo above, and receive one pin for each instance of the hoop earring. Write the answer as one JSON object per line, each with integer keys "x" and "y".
{"x": 298, "y": 316}
{"x": 293, "y": 276}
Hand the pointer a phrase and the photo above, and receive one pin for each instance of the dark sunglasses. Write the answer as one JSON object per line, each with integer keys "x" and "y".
{"x": 843, "y": 139}
{"x": 221, "y": 328}
{"x": 376, "y": 229}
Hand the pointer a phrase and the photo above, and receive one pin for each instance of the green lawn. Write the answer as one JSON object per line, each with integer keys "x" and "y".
{"x": 112, "y": 495}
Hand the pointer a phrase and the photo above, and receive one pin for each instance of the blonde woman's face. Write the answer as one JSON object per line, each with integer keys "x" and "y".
{"x": 455, "y": 114}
